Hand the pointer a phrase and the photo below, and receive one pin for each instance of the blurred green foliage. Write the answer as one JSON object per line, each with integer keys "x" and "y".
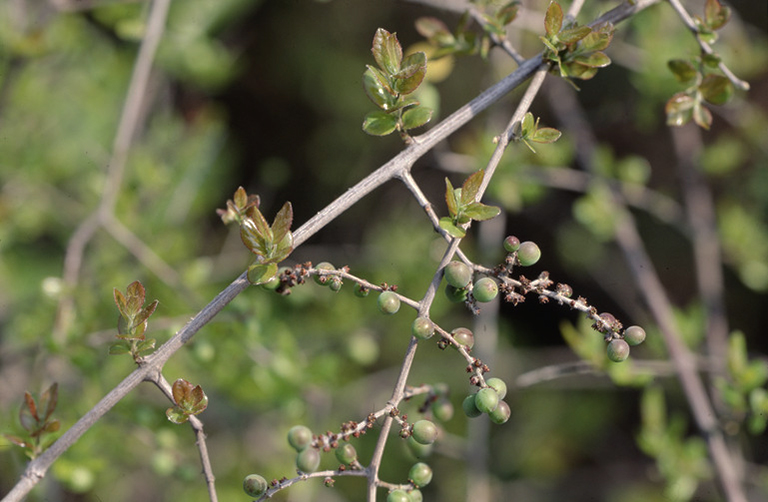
{"x": 268, "y": 95}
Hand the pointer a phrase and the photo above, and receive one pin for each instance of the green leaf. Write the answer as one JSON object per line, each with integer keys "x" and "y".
{"x": 145, "y": 347}
{"x": 471, "y": 187}
{"x": 120, "y": 347}
{"x": 546, "y": 135}
{"x": 120, "y": 301}
{"x": 451, "y": 199}
{"x": 679, "y": 109}
{"x": 387, "y": 51}
{"x": 480, "y": 212}
{"x": 378, "y": 90}
{"x": 240, "y": 198}
{"x": 576, "y": 70}
{"x": 434, "y": 30}
{"x": 572, "y": 35}
{"x": 379, "y": 123}
{"x": 716, "y": 89}
{"x": 449, "y": 226}
{"x": 145, "y": 313}
{"x": 176, "y": 415}
{"x": 683, "y": 70}
{"x": 597, "y": 40}
{"x": 283, "y": 249}
{"x": 595, "y": 60}
{"x": 553, "y": 19}
{"x": 527, "y": 125}
{"x": 702, "y": 116}
{"x": 552, "y": 48}
{"x": 711, "y": 60}
{"x": 282, "y": 222}
{"x": 507, "y": 13}
{"x": 252, "y": 238}
{"x": 414, "y": 68}
{"x": 716, "y": 15}
{"x": 416, "y": 117}
{"x": 261, "y": 273}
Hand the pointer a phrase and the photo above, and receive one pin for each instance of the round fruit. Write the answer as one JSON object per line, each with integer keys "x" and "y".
{"x": 424, "y": 432}
{"x": 485, "y": 289}
{"x": 255, "y": 485}
{"x": 420, "y": 451}
{"x": 469, "y": 407}
{"x": 498, "y": 385}
{"x": 464, "y": 336}
{"x": 501, "y": 414}
{"x": 308, "y": 460}
{"x": 346, "y": 454}
{"x": 324, "y": 280}
{"x": 361, "y": 291}
{"x": 335, "y": 284}
{"x": 442, "y": 409}
{"x": 528, "y": 253}
{"x": 455, "y": 295}
{"x": 486, "y": 400}
{"x": 618, "y": 350}
{"x": 271, "y": 284}
{"x": 398, "y": 496}
{"x": 420, "y": 474}
{"x": 299, "y": 437}
{"x": 416, "y": 496}
{"x": 457, "y": 274}
{"x": 634, "y": 335}
{"x": 422, "y": 328}
{"x": 511, "y": 244}
{"x": 389, "y": 303}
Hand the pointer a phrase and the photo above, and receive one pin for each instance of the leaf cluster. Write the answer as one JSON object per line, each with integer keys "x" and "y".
{"x": 390, "y": 85}
{"x": 530, "y": 131}
{"x": 133, "y": 322}
{"x": 190, "y": 400}
{"x": 463, "y": 41}
{"x": 463, "y": 207}
{"x": 574, "y": 50}
{"x": 35, "y": 418}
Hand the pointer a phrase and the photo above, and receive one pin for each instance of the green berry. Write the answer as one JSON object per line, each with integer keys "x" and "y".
{"x": 528, "y": 253}
{"x": 455, "y": 295}
{"x": 618, "y": 350}
{"x": 419, "y": 450}
{"x": 457, "y": 274}
{"x": 255, "y": 485}
{"x": 485, "y": 289}
{"x": 442, "y": 409}
{"x": 634, "y": 335}
{"x": 464, "y": 336}
{"x": 501, "y": 414}
{"x": 389, "y": 303}
{"x": 398, "y": 496}
{"x": 335, "y": 284}
{"x": 416, "y": 496}
{"x": 271, "y": 284}
{"x": 324, "y": 280}
{"x": 486, "y": 400}
{"x": 511, "y": 244}
{"x": 420, "y": 474}
{"x": 361, "y": 291}
{"x": 469, "y": 407}
{"x": 422, "y": 328}
{"x": 308, "y": 460}
{"x": 299, "y": 437}
{"x": 346, "y": 454}
{"x": 424, "y": 432}
{"x": 498, "y": 385}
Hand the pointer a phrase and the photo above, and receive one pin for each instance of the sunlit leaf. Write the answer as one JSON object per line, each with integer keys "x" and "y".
{"x": 572, "y": 35}
{"x": 176, "y": 415}
{"x": 282, "y": 222}
{"x": 471, "y": 187}
{"x": 379, "y": 123}
{"x": 546, "y": 135}
{"x": 716, "y": 15}
{"x": 683, "y": 70}
{"x": 52, "y": 426}
{"x": 716, "y": 89}
{"x": 679, "y": 109}
{"x": 596, "y": 40}
{"x": 252, "y": 239}
{"x": 576, "y": 70}
{"x": 451, "y": 200}
{"x": 31, "y": 406}
{"x": 449, "y": 226}
{"x": 414, "y": 68}
{"x": 378, "y": 89}
{"x": 120, "y": 347}
{"x": 387, "y": 51}
{"x": 480, "y": 212}
{"x": 261, "y": 273}
{"x": 702, "y": 116}
{"x": 416, "y": 117}
{"x": 240, "y": 198}
{"x": 145, "y": 347}
{"x": 434, "y": 30}
{"x": 553, "y": 19}
{"x": 507, "y": 13}
{"x": 181, "y": 390}
{"x": 120, "y": 301}
{"x": 594, "y": 60}
{"x": 527, "y": 125}
{"x": 135, "y": 295}
{"x": 145, "y": 313}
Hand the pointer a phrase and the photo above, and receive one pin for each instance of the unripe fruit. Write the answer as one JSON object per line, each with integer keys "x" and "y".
{"x": 308, "y": 460}
{"x": 324, "y": 280}
{"x": 455, "y": 295}
{"x": 464, "y": 336}
{"x": 468, "y": 405}
{"x": 360, "y": 291}
{"x": 335, "y": 284}
{"x": 424, "y": 432}
{"x": 498, "y": 385}
{"x": 485, "y": 289}
{"x": 457, "y": 274}
{"x": 634, "y": 335}
{"x": 420, "y": 451}
{"x": 486, "y": 400}
{"x": 511, "y": 244}
{"x": 442, "y": 409}
{"x": 416, "y": 496}
{"x": 618, "y": 350}
{"x": 271, "y": 284}
{"x": 398, "y": 496}
{"x": 389, "y": 303}
{"x": 422, "y": 328}
{"x": 255, "y": 485}
{"x": 528, "y": 253}
{"x": 501, "y": 414}
{"x": 420, "y": 474}
{"x": 299, "y": 437}
{"x": 346, "y": 454}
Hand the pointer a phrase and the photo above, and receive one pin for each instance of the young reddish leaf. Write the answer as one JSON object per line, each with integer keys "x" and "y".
{"x": 49, "y": 400}
{"x": 414, "y": 68}
{"x": 553, "y": 19}
{"x": 144, "y": 314}
{"x": 282, "y": 223}
{"x": 595, "y": 60}
{"x": 702, "y": 116}
{"x": 176, "y": 415}
{"x": 683, "y": 70}
{"x": 597, "y": 40}
{"x": 16, "y": 440}
{"x": 378, "y": 89}
{"x": 31, "y": 405}
{"x": 261, "y": 273}
{"x": 181, "y": 390}
{"x": 51, "y": 426}
{"x": 120, "y": 301}
{"x": 716, "y": 15}
{"x": 507, "y": 13}
{"x": 199, "y": 401}
{"x": 679, "y": 109}
{"x": 546, "y": 135}
{"x": 379, "y": 123}
{"x": 572, "y": 35}
{"x": 449, "y": 226}
{"x": 451, "y": 200}
{"x": 471, "y": 187}
{"x": 252, "y": 238}
{"x": 480, "y": 212}
{"x": 136, "y": 294}
{"x": 716, "y": 89}
{"x": 240, "y": 198}
{"x": 387, "y": 51}
{"x": 416, "y": 117}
